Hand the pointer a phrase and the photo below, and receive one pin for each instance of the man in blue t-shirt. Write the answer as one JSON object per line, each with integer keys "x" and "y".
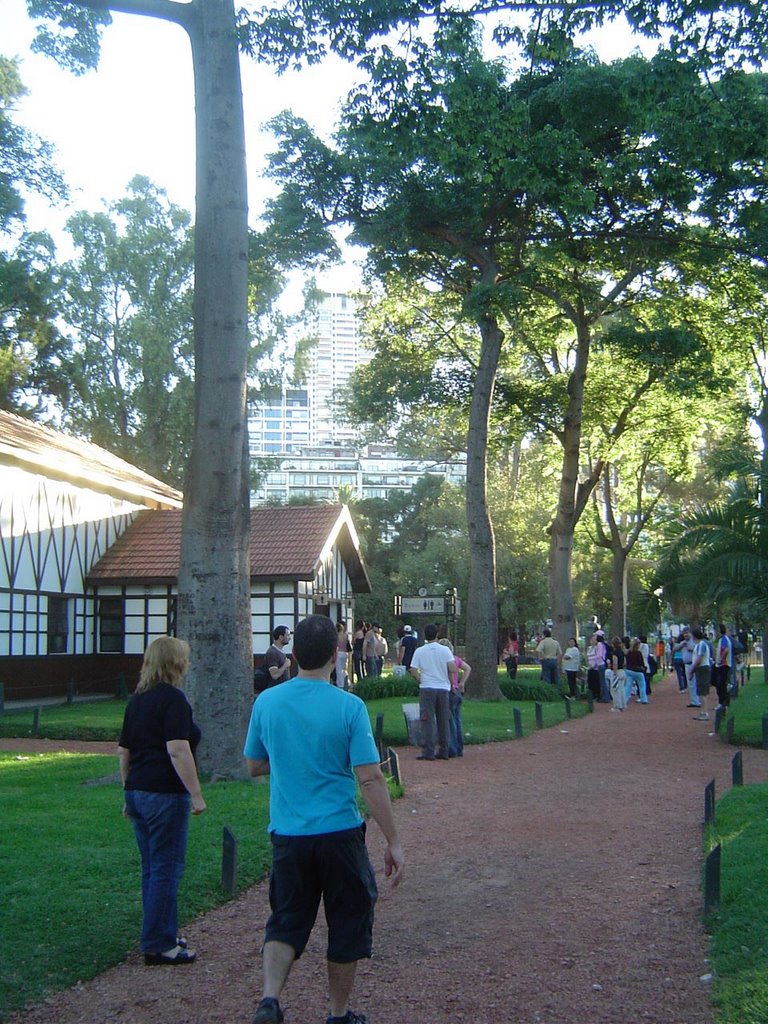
{"x": 315, "y": 742}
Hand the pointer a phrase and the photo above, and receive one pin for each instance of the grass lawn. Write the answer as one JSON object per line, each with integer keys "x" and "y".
{"x": 740, "y": 927}
{"x": 483, "y": 722}
{"x": 69, "y": 870}
{"x": 92, "y": 720}
{"x": 747, "y": 711}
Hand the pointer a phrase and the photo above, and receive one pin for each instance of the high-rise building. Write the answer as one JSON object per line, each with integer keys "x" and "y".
{"x": 333, "y": 359}
{"x": 279, "y": 423}
{"x": 301, "y": 427}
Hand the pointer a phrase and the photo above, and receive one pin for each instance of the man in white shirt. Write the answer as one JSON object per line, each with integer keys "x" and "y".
{"x": 701, "y": 670}
{"x": 434, "y": 667}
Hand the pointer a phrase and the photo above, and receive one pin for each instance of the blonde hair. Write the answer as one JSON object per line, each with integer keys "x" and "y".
{"x": 446, "y": 643}
{"x": 166, "y": 660}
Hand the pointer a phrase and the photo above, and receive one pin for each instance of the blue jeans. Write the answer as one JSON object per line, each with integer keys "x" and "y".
{"x": 682, "y": 682}
{"x": 549, "y": 672}
{"x": 456, "y": 743}
{"x": 631, "y": 677}
{"x": 371, "y": 667}
{"x": 160, "y": 824}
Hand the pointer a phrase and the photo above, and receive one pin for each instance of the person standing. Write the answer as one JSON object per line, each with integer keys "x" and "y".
{"x": 381, "y": 647}
{"x": 550, "y": 654}
{"x": 276, "y": 662}
{"x": 434, "y": 669}
{"x": 369, "y": 649}
{"x": 406, "y": 647}
{"x": 645, "y": 650}
{"x": 358, "y": 661}
{"x": 315, "y": 742}
{"x": 156, "y": 750}
{"x": 602, "y": 661}
{"x": 571, "y": 666}
{"x": 701, "y": 668}
{"x": 722, "y": 669}
{"x": 455, "y": 700}
{"x": 617, "y": 655}
{"x": 342, "y": 655}
{"x": 676, "y": 649}
{"x": 634, "y": 672}
{"x": 511, "y": 655}
{"x": 694, "y": 701}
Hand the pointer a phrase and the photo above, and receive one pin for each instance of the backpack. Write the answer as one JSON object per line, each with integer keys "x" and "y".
{"x": 653, "y": 666}
{"x": 261, "y": 679}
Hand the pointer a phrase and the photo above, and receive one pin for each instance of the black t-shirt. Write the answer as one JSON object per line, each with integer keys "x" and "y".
{"x": 409, "y": 643}
{"x": 151, "y": 720}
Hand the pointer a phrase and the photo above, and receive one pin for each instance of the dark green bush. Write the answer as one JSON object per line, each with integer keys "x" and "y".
{"x": 377, "y": 687}
{"x": 517, "y": 689}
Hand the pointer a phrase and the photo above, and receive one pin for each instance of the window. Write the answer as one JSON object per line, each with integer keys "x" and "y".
{"x": 111, "y": 625}
{"x": 58, "y": 624}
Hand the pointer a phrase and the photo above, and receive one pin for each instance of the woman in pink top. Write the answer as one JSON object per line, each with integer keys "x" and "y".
{"x": 455, "y": 700}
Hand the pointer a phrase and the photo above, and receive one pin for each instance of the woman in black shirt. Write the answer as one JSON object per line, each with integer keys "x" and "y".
{"x": 157, "y": 765}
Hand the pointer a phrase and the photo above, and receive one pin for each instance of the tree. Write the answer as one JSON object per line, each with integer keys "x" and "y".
{"x": 559, "y": 196}
{"x": 214, "y": 580}
{"x": 127, "y": 301}
{"x": 31, "y": 348}
{"x": 720, "y": 551}
{"x": 213, "y": 600}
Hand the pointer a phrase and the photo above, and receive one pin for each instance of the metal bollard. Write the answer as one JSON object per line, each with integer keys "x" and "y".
{"x": 712, "y": 881}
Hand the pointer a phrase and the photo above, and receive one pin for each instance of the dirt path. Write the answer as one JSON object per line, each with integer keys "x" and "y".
{"x": 553, "y": 880}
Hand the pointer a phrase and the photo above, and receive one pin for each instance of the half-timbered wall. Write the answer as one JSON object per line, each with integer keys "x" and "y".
{"x": 51, "y": 533}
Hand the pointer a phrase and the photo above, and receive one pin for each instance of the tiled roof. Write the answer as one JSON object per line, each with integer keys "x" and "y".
{"x": 286, "y": 543}
{"x": 54, "y": 454}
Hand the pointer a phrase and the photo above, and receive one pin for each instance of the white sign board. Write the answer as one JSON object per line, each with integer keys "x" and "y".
{"x": 434, "y": 605}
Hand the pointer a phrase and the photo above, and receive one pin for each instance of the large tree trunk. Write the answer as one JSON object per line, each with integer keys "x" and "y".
{"x": 618, "y": 591}
{"x": 482, "y": 614}
{"x": 214, "y": 581}
{"x": 572, "y": 497}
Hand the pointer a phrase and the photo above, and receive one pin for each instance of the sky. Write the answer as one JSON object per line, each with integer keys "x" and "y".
{"x": 135, "y": 114}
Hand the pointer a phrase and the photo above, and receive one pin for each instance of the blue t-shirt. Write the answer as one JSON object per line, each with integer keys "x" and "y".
{"x": 314, "y": 735}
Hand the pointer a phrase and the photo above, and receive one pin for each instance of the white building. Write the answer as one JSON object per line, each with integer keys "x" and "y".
{"x": 89, "y": 560}
{"x": 320, "y": 473}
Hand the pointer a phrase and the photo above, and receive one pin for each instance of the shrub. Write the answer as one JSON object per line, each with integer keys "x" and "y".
{"x": 517, "y": 689}
{"x": 378, "y": 687}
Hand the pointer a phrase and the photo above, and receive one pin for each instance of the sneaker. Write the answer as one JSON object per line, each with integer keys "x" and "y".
{"x": 350, "y": 1017}
{"x": 703, "y": 717}
{"x": 693, "y": 705}
{"x": 268, "y": 1012}
{"x": 719, "y": 707}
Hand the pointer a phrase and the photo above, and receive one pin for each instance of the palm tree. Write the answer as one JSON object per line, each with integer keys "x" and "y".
{"x": 720, "y": 551}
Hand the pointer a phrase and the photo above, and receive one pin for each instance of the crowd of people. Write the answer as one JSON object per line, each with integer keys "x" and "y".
{"x": 621, "y": 669}
{"x": 316, "y": 743}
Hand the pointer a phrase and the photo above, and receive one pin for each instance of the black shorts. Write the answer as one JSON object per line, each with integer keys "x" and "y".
{"x": 703, "y": 676}
{"x": 334, "y": 866}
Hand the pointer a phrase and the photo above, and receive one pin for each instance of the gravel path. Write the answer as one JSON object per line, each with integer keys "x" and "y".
{"x": 553, "y": 880}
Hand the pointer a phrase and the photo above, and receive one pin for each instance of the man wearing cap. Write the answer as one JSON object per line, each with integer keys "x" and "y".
{"x": 406, "y": 647}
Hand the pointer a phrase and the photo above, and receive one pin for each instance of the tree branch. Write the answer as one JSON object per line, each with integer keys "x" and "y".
{"x": 166, "y": 10}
